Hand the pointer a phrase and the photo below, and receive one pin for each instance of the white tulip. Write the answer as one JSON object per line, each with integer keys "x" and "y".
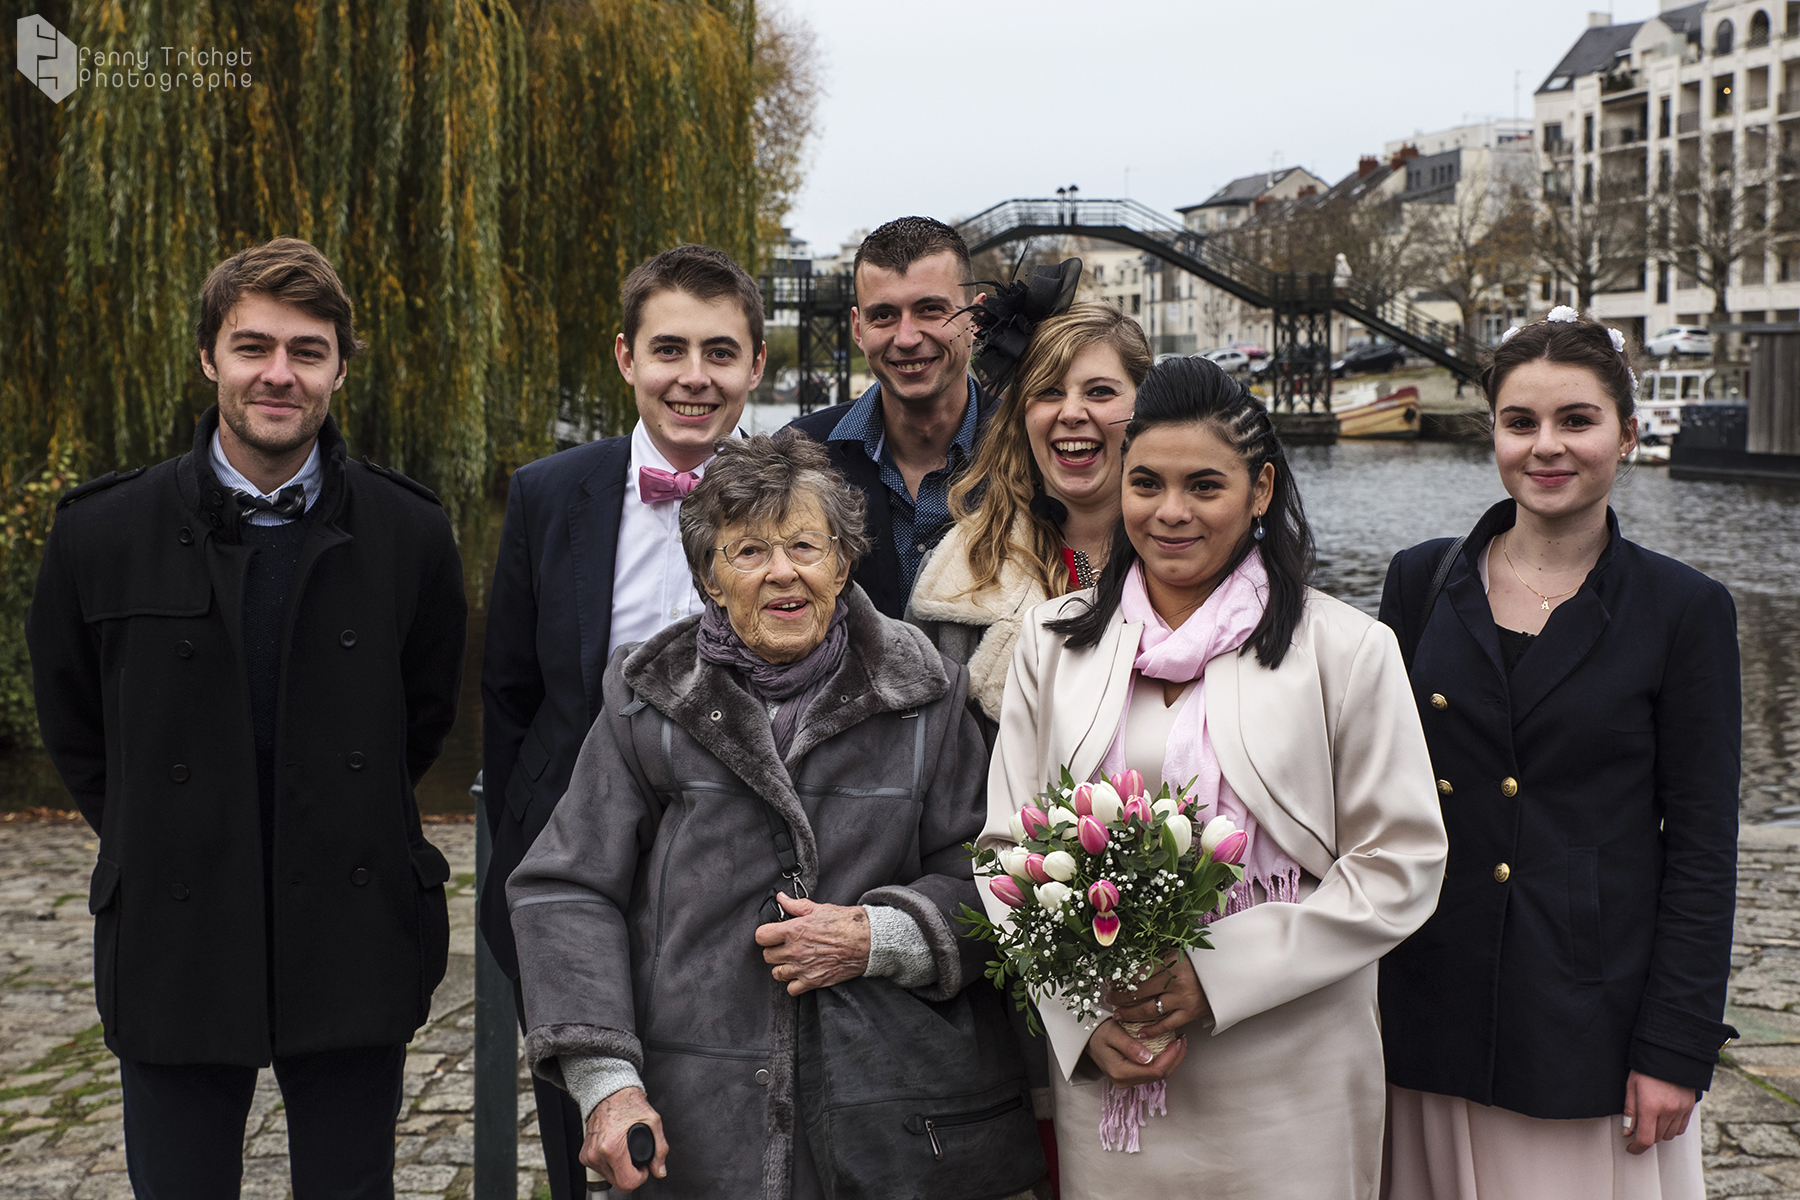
{"x": 1051, "y": 895}
{"x": 1165, "y": 806}
{"x": 1216, "y": 831}
{"x": 1012, "y": 860}
{"x": 1059, "y": 865}
{"x": 1183, "y": 829}
{"x": 1059, "y": 814}
{"x": 1016, "y": 827}
{"x": 1106, "y": 802}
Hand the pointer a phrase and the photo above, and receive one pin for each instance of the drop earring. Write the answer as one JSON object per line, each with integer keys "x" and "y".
{"x": 1259, "y": 527}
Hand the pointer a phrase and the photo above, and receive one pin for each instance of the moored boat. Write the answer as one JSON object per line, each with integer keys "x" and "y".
{"x": 1393, "y": 417}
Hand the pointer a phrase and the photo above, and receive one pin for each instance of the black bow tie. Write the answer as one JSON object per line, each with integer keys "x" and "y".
{"x": 289, "y": 503}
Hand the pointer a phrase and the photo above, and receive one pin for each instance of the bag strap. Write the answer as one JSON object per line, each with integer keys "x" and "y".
{"x": 1438, "y": 578}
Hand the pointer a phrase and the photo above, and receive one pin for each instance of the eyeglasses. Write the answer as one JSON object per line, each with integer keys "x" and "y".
{"x": 753, "y": 553}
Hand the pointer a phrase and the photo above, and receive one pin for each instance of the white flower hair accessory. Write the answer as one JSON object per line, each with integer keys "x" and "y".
{"x": 1618, "y": 340}
{"x": 1563, "y": 313}
{"x": 1507, "y": 336}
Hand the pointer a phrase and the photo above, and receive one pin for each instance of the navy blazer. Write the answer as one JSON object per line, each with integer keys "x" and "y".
{"x": 1584, "y": 929}
{"x": 549, "y": 621}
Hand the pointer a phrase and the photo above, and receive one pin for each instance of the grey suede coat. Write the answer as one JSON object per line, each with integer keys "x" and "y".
{"x": 636, "y": 909}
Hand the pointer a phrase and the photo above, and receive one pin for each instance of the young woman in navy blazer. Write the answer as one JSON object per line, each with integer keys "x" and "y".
{"x": 1549, "y": 1029}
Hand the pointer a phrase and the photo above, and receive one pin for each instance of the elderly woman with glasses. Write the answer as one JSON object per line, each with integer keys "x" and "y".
{"x": 773, "y": 799}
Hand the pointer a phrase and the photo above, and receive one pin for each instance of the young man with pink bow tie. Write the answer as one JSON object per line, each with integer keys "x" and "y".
{"x": 590, "y": 560}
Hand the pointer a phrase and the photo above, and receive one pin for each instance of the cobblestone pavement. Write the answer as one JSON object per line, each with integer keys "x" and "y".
{"x": 61, "y": 1131}
{"x": 60, "y": 1118}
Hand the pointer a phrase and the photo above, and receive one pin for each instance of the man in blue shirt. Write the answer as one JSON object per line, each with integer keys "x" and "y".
{"x": 906, "y": 439}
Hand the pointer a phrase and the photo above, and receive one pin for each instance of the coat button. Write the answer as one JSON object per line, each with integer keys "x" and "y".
{"x": 186, "y": 536}
{"x": 1502, "y": 873}
{"x": 184, "y": 649}
{"x": 716, "y": 715}
{"x": 1509, "y": 786}
{"x": 347, "y": 638}
{"x": 357, "y": 761}
{"x": 215, "y": 497}
{"x": 1444, "y": 788}
{"x": 762, "y": 1076}
{"x": 178, "y": 773}
{"x": 179, "y": 891}
{"x": 1438, "y": 702}
{"x": 360, "y": 876}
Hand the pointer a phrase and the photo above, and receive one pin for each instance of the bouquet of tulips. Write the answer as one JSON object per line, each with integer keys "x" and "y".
{"x": 1106, "y": 883}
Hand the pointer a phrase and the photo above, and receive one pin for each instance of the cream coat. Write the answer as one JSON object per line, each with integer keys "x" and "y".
{"x": 941, "y": 596}
{"x": 1283, "y": 1096}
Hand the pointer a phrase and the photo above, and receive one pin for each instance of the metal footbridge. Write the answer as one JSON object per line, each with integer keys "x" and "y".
{"x": 1300, "y": 304}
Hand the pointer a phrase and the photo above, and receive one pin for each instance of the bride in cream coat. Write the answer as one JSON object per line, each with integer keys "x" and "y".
{"x": 1201, "y": 652}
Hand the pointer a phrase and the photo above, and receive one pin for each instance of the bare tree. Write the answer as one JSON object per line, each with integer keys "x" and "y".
{"x": 788, "y": 81}
{"x": 1476, "y": 245}
{"x": 1376, "y": 239}
{"x": 1715, "y": 216}
{"x": 1597, "y": 240}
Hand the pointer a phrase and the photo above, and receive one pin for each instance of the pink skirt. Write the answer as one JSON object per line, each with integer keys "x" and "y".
{"x": 1445, "y": 1148}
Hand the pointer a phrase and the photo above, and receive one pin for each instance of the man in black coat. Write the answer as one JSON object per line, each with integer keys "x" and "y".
{"x": 591, "y": 560}
{"x": 245, "y": 658}
{"x": 905, "y": 440}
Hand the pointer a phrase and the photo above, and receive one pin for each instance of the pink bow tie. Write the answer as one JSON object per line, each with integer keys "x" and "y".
{"x": 656, "y": 485}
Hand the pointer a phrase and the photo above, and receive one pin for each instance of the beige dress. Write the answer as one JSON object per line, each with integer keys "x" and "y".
{"x": 1282, "y": 1098}
{"x": 1447, "y": 1148}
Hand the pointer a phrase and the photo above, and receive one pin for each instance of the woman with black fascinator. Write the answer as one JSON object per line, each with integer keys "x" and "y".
{"x": 1035, "y": 512}
{"x": 1200, "y": 658}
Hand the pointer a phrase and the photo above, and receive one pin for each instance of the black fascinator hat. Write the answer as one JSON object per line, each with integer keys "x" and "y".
{"x": 1006, "y": 319}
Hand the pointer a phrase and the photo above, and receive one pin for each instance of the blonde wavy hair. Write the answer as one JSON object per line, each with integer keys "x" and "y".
{"x": 994, "y": 495}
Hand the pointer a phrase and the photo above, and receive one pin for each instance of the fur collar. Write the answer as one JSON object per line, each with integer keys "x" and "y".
{"x": 942, "y": 591}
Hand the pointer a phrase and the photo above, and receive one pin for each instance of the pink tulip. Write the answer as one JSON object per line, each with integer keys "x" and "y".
{"x": 1006, "y": 891}
{"x": 1231, "y": 848}
{"x": 1103, "y": 895}
{"x": 1130, "y": 784}
{"x": 1035, "y": 819}
{"x": 1092, "y": 834}
{"x": 1106, "y": 928}
{"x": 1083, "y": 799}
{"x": 1140, "y": 808}
{"x": 1034, "y": 867}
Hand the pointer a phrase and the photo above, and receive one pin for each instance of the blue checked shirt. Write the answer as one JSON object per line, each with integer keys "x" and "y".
{"x": 918, "y": 524}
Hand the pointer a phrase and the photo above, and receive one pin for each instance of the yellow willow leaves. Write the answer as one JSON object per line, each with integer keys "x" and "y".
{"x": 483, "y": 175}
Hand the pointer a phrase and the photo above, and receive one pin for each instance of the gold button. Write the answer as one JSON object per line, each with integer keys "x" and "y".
{"x": 1509, "y": 786}
{"x": 1444, "y": 788}
{"x": 1438, "y": 701}
{"x": 1502, "y": 873}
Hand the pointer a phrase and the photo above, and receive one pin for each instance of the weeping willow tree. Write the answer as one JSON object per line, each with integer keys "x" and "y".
{"x": 482, "y": 174}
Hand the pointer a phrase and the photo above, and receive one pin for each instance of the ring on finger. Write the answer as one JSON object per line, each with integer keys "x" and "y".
{"x": 1159, "y": 1006}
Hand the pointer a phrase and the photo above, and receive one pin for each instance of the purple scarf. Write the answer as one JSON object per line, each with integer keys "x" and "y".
{"x": 789, "y": 685}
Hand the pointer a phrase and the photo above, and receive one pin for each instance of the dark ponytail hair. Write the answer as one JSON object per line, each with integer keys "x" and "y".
{"x": 1189, "y": 390}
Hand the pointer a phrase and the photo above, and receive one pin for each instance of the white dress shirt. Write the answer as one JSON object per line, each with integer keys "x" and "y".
{"x": 311, "y": 478}
{"x": 652, "y": 587}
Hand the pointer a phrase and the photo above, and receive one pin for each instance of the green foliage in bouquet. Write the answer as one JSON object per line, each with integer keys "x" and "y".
{"x": 1106, "y": 883}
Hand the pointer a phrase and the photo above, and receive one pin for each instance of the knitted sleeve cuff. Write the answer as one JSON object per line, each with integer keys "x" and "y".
{"x": 593, "y": 1077}
{"x": 898, "y": 949}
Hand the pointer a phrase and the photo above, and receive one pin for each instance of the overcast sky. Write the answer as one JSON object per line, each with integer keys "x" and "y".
{"x": 943, "y": 107}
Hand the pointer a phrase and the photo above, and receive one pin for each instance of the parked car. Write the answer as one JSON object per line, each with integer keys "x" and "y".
{"x": 1680, "y": 339}
{"x": 1251, "y": 350}
{"x": 1228, "y": 360}
{"x": 1374, "y": 356}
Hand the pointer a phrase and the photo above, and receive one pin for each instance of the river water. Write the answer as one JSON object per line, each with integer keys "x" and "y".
{"x": 1367, "y": 500}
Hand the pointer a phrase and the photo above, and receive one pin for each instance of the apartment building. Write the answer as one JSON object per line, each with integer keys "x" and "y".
{"x": 1698, "y": 88}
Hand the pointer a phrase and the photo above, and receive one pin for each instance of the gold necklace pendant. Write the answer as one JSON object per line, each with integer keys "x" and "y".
{"x": 1545, "y": 605}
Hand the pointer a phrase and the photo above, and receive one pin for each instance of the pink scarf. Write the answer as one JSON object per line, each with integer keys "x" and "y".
{"x": 1220, "y": 626}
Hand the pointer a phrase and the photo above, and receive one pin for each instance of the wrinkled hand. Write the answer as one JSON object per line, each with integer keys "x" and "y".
{"x": 1124, "y": 1060}
{"x": 604, "y": 1148}
{"x": 819, "y": 945}
{"x": 1655, "y": 1111}
{"x": 1176, "y": 985}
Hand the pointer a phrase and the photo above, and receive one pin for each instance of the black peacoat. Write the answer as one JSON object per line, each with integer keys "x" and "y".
{"x": 1584, "y": 929}
{"x": 135, "y": 634}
